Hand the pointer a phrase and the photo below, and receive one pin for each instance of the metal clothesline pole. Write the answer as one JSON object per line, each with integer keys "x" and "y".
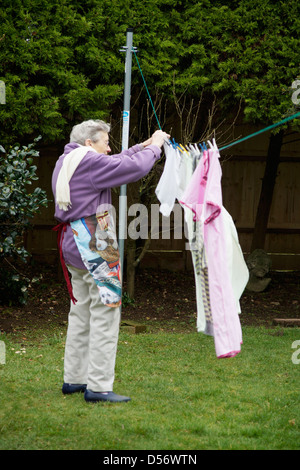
{"x": 125, "y": 139}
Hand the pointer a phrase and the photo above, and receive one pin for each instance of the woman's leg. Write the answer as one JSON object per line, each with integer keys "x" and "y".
{"x": 104, "y": 332}
{"x": 77, "y": 342}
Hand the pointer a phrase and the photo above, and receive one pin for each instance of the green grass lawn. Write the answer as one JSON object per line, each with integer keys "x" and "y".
{"x": 183, "y": 397}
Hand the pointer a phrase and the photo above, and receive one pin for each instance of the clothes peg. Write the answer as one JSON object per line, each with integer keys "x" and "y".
{"x": 194, "y": 149}
{"x": 183, "y": 148}
{"x": 175, "y": 145}
{"x": 213, "y": 145}
{"x": 169, "y": 143}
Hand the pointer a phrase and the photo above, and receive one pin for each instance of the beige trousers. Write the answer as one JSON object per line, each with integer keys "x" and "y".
{"x": 92, "y": 336}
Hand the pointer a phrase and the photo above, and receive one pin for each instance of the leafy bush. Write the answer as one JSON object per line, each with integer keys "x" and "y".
{"x": 17, "y": 207}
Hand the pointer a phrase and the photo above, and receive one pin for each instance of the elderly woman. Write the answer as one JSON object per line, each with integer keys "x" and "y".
{"x": 81, "y": 182}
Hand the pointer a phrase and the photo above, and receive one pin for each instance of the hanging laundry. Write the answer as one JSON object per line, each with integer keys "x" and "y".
{"x": 176, "y": 176}
{"x": 226, "y": 267}
{"x": 204, "y": 317}
{"x": 196, "y": 244}
{"x": 168, "y": 185}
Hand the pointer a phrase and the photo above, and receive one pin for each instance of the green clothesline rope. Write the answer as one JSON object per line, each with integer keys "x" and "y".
{"x": 280, "y": 123}
{"x": 147, "y": 90}
{"x": 277, "y": 124}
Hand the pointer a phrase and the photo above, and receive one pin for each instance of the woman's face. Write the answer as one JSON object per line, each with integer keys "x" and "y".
{"x": 102, "y": 144}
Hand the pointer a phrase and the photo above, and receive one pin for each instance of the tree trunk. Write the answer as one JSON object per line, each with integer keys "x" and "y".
{"x": 132, "y": 263}
{"x": 130, "y": 271}
{"x": 267, "y": 189}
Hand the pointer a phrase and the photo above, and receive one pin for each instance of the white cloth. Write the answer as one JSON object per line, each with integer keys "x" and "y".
{"x": 70, "y": 163}
{"x": 175, "y": 179}
{"x": 167, "y": 188}
{"x": 235, "y": 259}
{"x": 92, "y": 336}
{"x": 176, "y": 176}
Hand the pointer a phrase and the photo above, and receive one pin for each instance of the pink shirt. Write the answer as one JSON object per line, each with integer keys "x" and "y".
{"x": 204, "y": 197}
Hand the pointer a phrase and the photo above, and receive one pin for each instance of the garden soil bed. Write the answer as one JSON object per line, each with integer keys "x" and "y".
{"x": 164, "y": 300}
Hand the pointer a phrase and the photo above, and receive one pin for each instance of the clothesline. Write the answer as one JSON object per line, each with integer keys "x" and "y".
{"x": 146, "y": 88}
{"x": 273, "y": 126}
{"x": 203, "y": 145}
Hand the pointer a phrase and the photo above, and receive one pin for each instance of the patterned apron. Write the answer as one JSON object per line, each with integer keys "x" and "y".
{"x": 95, "y": 237}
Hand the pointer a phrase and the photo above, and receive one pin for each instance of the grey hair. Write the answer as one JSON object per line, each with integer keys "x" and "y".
{"x": 88, "y": 130}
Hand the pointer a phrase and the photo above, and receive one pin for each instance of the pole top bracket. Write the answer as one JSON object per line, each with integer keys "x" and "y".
{"x": 124, "y": 49}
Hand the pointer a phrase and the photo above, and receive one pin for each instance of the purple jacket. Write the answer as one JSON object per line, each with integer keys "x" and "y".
{"x": 91, "y": 186}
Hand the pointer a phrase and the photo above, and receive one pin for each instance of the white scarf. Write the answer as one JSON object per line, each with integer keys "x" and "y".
{"x": 70, "y": 163}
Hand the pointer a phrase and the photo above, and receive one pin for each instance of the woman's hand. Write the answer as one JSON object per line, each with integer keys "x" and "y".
{"x": 158, "y": 139}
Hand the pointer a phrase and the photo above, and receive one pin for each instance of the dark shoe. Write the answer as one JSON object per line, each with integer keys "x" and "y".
{"x": 73, "y": 388}
{"x": 91, "y": 396}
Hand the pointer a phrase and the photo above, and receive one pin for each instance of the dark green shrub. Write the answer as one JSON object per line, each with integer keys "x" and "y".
{"x": 18, "y": 206}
